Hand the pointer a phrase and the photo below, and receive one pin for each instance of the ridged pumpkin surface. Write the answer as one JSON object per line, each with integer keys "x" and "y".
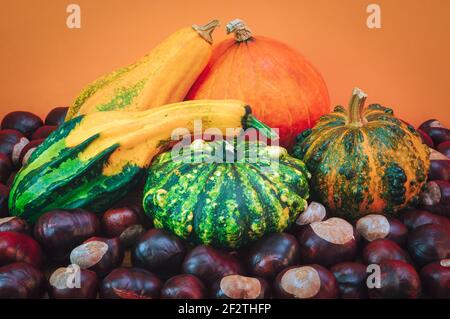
{"x": 283, "y": 88}
{"x": 225, "y": 204}
{"x": 363, "y": 160}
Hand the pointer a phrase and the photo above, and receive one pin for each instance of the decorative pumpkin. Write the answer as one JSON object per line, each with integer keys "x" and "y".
{"x": 209, "y": 200}
{"x": 363, "y": 160}
{"x": 163, "y": 76}
{"x": 89, "y": 163}
{"x": 283, "y": 88}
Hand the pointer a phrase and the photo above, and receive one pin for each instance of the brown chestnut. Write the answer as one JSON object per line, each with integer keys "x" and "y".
{"x": 268, "y": 256}
{"x": 426, "y": 139}
{"x": 439, "y": 167}
{"x": 4, "y": 195}
{"x": 160, "y": 252}
{"x": 306, "y": 282}
{"x": 43, "y": 132}
{"x": 429, "y": 243}
{"x": 430, "y": 124}
{"x": 380, "y": 250}
{"x": 21, "y": 281}
{"x": 24, "y": 122}
{"x": 11, "y": 144}
{"x": 375, "y": 226}
{"x": 327, "y": 242}
{"x": 56, "y": 116}
{"x": 398, "y": 280}
{"x": 18, "y": 247}
{"x": 417, "y": 217}
{"x": 27, "y": 150}
{"x": 130, "y": 283}
{"x": 436, "y": 279}
{"x": 73, "y": 282}
{"x": 211, "y": 264}
{"x": 123, "y": 222}
{"x": 240, "y": 287}
{"x": 444, "y": 148}
{"x": 438, "y": 134}
{"x": 183, "y": 286}
{"x": 13, "y": 223}
{"x": 60, "y": 231}
{"x": 436, "y": 197}
{"x": 98, "y": 254}
{"x": 6, "y": 167}
{"x": 351, "y": 278}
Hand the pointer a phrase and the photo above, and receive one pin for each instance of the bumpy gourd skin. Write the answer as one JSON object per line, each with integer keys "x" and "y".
{"x": 378, "y": 166}
{"x": 225, "y": 204}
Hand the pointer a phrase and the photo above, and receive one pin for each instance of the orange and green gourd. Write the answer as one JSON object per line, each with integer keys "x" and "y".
{"x": 363, "y": 160}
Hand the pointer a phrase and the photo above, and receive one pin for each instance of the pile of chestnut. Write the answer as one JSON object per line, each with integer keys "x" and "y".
{"x": 119, "y": 254}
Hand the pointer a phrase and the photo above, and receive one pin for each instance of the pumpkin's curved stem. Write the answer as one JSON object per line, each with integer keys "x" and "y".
{"x": 241, "y": 30}
{"x": 205, "y": 31}
{"x": 356, "y": 107}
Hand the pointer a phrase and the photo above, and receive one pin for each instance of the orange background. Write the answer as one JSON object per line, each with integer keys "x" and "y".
{"x": 405, "y": 65}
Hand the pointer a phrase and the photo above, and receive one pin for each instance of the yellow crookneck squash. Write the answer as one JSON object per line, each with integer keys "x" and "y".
{"x": 163, "y": 76}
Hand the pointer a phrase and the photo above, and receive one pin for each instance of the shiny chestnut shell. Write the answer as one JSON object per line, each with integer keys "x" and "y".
{"x": 444, "y": 148}
{"x": 21, "y": 281}
{"x": 43, "y": 132}
{"x": 381, "y": 250}
{"x": 398, "y": 280}
{"x": 327, "y": 242}
{"x": 6, "y": 167}
{"x": 160, "y": 252}
{"x": 210, "y": 264}
{"x": 351, "y": 278}
{"x": 13, "y": 223}
{"x": 267, "y": 257}
{"x": 436, "y": 279}
{"x": 416, "y": 217}
{"x": 11, "y": 144}
{"x": 429, "y": 243}
{"x": 184, "y": 286}
{"x": 60, "y": 231}
{"x": 125, "y": 223}
{"x": 130, "y": 283}
{"x": 18, "y": 247}
{"x": 24, "y": 122}
{"x": 56, "y": 116}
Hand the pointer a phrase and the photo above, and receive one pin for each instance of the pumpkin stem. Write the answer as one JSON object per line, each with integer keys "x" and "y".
{"x": 241, "y": 30}
{"x": 205, "y": 31}
{"x": 356, "y": 107}
{"x": 252, "y": 122}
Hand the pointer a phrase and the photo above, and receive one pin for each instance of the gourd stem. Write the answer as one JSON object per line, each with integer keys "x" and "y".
{"x": 253, "y": 122}
{"x": 356, "y": 107}
{"x": 241, "y": 30}
{"x": 205, "y": 31}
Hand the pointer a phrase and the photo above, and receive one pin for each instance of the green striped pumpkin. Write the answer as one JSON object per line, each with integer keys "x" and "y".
{"x": 225, "y": 204}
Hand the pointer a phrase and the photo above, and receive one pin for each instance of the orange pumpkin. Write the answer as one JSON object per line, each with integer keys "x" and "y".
{"x": 284, "y": 90}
